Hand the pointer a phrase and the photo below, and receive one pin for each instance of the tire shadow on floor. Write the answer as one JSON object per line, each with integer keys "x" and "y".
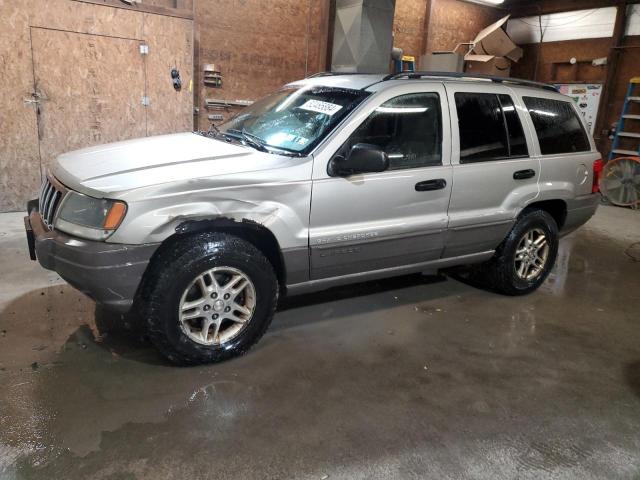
{"x": 632, "y": 377}
{"x": 37, "y": 326}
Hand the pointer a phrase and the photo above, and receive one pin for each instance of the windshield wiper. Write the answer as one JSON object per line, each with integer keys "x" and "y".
{"x": 249, "y": 139}
{"x": 258, "y": 143}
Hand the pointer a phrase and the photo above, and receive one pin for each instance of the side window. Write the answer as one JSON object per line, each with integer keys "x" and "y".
{"x": 408, "y": 128}
{"x": 557, "y": 125}
{"x": 489, "y": 128}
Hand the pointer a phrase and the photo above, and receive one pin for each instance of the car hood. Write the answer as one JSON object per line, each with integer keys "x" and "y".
{"x": 132, "y": 164}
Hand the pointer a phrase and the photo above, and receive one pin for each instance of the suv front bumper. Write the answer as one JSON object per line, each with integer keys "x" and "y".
{"x": 109, "y": 273}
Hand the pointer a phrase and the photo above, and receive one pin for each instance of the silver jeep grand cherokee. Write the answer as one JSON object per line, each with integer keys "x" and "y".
{"x": 331, "y": 180}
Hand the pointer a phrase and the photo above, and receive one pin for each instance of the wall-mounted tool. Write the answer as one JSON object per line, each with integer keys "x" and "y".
{"x": 216, "y": 104}
{"x": 175, "y": 78}
{"x": 212, "y": 75}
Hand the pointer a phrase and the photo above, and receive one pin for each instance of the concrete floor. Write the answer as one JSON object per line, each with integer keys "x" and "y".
{"x": 416, "y": 377}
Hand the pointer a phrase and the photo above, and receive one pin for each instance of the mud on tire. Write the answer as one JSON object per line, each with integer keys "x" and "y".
{"x": 499, "y": 274}
{"x": 171, "y": 272}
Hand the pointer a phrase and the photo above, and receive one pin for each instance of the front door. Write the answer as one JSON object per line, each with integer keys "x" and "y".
{"x": 373, "y": 221}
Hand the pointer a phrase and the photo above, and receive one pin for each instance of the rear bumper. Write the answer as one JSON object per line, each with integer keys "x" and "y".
{"x": 579, "y": 211}
{"x": 109, "y": 273}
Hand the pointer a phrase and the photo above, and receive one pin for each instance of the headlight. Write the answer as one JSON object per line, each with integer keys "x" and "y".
{"x": 88, "y": 217}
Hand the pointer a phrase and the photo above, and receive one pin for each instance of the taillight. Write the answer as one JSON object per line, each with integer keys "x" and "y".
{"x": 598, "y": 165}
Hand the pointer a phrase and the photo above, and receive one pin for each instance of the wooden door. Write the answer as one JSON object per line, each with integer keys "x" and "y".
{"x": 89, "y": 88}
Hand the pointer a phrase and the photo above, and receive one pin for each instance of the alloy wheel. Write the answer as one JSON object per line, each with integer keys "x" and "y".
{"x": 217, "y": 306}
{"x": 531, "y": 254}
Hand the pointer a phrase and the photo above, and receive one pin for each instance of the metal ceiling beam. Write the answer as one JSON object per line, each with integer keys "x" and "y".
{"x": 529, "y": 8}
{"x": 143, "y": 7}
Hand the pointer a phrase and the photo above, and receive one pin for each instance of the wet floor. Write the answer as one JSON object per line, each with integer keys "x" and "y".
{"x": 415, "y": 377}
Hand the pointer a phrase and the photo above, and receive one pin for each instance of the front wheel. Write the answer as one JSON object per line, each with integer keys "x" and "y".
{"x": 208, "y": 298}
{"x": 525, "y": 258}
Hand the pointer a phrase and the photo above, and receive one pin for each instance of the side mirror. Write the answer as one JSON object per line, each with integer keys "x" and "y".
{"x": 362, "y": 158}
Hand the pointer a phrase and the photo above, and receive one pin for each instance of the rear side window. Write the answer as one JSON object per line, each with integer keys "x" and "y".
{"x": 408, "y": 128}
{"x": 557, "y": 125}
{"x": 489, "y": 128}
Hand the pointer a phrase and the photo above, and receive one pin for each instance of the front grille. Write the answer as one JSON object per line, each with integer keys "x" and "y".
{"x": 51, "y": 193}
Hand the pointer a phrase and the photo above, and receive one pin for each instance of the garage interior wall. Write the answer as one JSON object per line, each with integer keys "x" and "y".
{"x": 258, "y": 47}
{"x": 435, "y": 25}
{"x": 50, "y": 49}
{"x": 73, "y": 76}
{"x": 554, "y": 67}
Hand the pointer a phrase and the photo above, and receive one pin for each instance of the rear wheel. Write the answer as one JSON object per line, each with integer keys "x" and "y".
{"x": 525, "y": 258}
{"x": 208, "y": 298}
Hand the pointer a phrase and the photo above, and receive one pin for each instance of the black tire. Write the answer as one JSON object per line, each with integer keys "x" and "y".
{"x": 499, "y": 274}
{"x": 171, "y": 272}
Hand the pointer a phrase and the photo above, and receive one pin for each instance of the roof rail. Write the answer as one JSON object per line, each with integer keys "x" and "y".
{"x": 321, "y": 74}
{"x": 515, "y": 81}
{"x": 331, "y": 74}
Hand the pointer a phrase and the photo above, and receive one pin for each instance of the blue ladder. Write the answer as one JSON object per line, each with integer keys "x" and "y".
{"x": 632, "y": 96}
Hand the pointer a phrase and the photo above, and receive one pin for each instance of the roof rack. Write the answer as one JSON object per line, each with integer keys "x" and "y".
{"x": 515, "y": 81}
{"x": 331, "y": 74}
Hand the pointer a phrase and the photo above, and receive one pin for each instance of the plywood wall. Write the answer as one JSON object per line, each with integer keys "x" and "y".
{"x": 408, "y": 26}
{"x": 559, "y": 54}
{"x": 450, "y": 22}
{"x": 259, "y": 46}
{"x": 454, "y": 21}
{"x": 169, "y": 37}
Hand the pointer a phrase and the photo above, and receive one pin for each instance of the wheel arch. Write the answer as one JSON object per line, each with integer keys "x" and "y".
{"x": 557, "y": 208}
{"x": 253, "y": 232}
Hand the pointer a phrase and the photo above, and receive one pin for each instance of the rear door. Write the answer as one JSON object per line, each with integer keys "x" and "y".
{"x": 373, "y": 221}
{"x": 565, "y": 150}
{"x": 494, "y": 171}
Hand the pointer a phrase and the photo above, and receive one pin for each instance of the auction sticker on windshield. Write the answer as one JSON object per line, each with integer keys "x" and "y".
{"x": 321, "y": 107}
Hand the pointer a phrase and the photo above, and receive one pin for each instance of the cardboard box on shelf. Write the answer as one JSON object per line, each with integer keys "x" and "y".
{"x": 492, "y": 51}
{"x": 442, "y": 62}
{"x": 446, "y": 61}
{"x": 489, "y": 65}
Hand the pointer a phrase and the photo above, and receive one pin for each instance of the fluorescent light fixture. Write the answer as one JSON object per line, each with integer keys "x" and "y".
{"x": 487, "y": 2}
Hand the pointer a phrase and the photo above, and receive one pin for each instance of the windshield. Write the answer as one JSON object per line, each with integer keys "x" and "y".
{"x": 293, "y": 119}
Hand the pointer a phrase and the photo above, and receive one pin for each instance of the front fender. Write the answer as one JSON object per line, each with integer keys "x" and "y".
{"x": 282, "y": 207}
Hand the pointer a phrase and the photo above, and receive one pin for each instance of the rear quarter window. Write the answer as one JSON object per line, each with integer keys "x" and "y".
{"x": 557, "y": 126}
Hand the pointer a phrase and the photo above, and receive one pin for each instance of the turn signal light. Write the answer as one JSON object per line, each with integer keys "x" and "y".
{"x": 598, "y": 165}
{"x": 115, "y": 215}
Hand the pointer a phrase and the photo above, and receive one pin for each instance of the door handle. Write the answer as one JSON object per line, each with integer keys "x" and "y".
{"x": 524, "y": 174}
{"x": 427, "y": 185}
